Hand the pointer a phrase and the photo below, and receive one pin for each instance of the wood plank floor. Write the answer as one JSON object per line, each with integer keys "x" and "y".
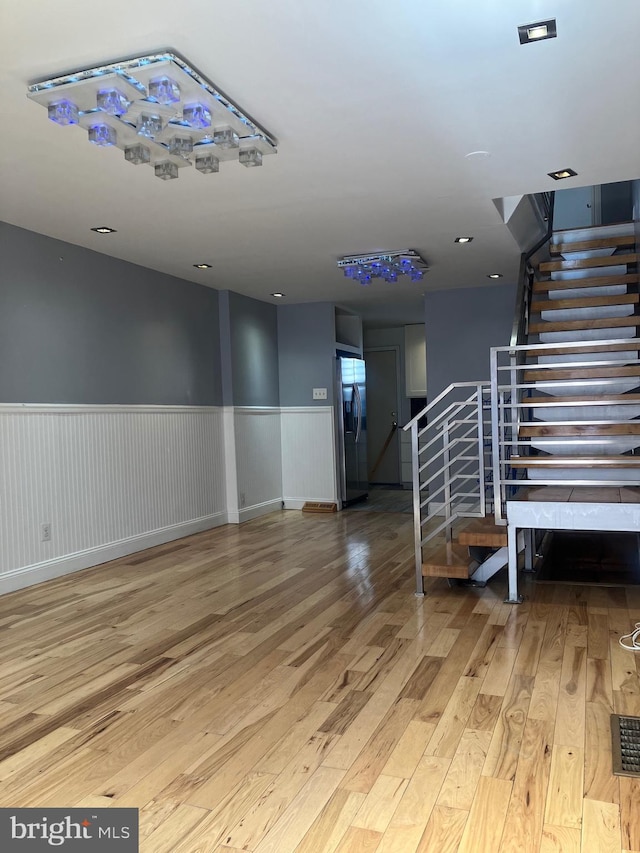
{"x": 277, "y": 687}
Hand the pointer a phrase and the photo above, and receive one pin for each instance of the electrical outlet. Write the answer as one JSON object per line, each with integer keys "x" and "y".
{"x": 319, "y": 393}
{"x": 45, "y": 532}
{"x": 243, "y": 499}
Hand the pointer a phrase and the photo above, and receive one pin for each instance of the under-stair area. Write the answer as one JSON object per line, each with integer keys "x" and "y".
{"x": 551, "y": 441}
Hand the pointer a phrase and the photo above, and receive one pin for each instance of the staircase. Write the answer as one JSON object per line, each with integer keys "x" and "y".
{"x": 588, "y": 291}
{"x": 560, "y": 419}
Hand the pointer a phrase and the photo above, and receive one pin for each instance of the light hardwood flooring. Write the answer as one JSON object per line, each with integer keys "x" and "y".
{"x": 276, "y": 687}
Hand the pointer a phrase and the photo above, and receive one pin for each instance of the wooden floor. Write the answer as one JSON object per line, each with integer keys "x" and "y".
{"x": 277, "y": 687}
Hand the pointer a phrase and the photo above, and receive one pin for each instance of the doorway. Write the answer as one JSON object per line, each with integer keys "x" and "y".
{"x": 383, "y": 440}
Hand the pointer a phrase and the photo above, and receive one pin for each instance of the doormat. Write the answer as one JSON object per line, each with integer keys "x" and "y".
{"x": 315, "y": 506}
{"x": 625, "y": 741}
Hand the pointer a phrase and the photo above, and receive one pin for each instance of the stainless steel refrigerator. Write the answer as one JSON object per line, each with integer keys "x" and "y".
{"x": 351, "y": 407}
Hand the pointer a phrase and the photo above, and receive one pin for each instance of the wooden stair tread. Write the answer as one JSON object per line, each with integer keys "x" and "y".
{"x": 581, "y": 325}
{"x": 623, "y": 346}
{"x": 593, "y": 281}
{"x": 569, "y": 399}
{"x": 575, "y": 461}
{"x": 446, "y": 561}
{"x": 589, "y": 263}
{"x": 583, "y": 302}
{"x": 483, "y": 532}
{"x": 616, "y": 372}
{"x": 587, "y": 428}
{"x": 597, "y": 243}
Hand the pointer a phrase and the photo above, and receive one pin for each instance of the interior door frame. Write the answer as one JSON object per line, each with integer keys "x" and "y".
{"x": 393, "y": 348}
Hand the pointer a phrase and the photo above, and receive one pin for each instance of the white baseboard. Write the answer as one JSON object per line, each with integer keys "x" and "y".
{"x": 49, "y": 569}
{"x": 254, "y": 511}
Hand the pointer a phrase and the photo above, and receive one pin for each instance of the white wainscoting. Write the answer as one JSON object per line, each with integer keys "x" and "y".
{"x": 110, "y": 480}
{"x": 258, "y": 460}
{"x": 308, "y": 455}
{"x": 113, "y": 480}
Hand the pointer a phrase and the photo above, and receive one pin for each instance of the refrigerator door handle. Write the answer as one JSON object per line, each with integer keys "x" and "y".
{"x": 358, "y": 400}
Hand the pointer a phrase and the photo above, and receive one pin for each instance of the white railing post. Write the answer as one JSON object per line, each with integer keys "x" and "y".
{"x": 481, "y": 474}
{"x": 446, "y": 459}
{"x": 417, "y": 520}
{"x": 495, "y": 439}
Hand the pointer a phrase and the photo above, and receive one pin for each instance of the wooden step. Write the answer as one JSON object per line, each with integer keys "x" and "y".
{"x": 587, "y": 399}
{"x": 598, "y": 243}
{"x": 446, "y": 561}
{"x": 590, "y": 428}
{"x": 588, "y": 263}
{"x": 623, "y": 346}
{"x": 539, "y": 305}
{"x": 575, "y": 462}
{"x": 580, "y": 325}
{"x": 593, "y": 281}
{"x": 483, "y": 532}
{"x": 582, "y": 373}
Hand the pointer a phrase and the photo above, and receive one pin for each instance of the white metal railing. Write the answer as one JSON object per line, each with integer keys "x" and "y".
{"x": 451, "y": 462}
{"x": 513, "y": 411}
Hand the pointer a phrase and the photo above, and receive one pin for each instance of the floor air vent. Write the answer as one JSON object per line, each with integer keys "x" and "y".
{"x": 317, "y": 506}
{"x": 625, "y": 738}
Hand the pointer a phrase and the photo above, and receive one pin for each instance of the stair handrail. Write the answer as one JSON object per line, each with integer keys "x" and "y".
{"x": 430, "y": 406}
{"x": 507, "y": 403}
{"x": 546, "y": 204}
{"x": 463, "y": 438}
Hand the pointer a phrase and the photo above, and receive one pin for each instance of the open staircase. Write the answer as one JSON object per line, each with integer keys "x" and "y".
{"x": 552, "y": 440}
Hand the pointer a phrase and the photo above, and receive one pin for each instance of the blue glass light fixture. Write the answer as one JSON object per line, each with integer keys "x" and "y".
{"x": 387, "y": 266}
{"x": 64, "y": 112}
{"x": 102, "y": 134}
{"x": 159, "y": 111}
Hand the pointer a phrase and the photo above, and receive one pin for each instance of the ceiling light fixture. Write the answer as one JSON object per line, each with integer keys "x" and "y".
{"x": 494, "y": 275}
{"x": 278, "y": 295}
{"x": 103, "y": 229}
{"x": 202, "y": 266}
{"x": 561, "y": 174}
{"x": 386, "y": 265}
{"x": 539, "y": 31}
{"x": 463, "y": 239}
{"x": 159, "y": 111}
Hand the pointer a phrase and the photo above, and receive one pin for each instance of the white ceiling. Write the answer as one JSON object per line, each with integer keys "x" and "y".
{"x": 374, "y": 104}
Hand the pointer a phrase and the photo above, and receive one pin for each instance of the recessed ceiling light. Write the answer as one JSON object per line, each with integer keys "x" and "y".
{"x": 495, "y": 275}
{"x": 278, "y": 295}
{"x": 463, "y": 239}
{"x": 202, "y": 266}
{"x": 537, "y": 32}
{"x": 103, "y": 229}
{"x": 561, "y": 174}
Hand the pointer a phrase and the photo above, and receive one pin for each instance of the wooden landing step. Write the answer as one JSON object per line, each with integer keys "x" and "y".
{"x": 447, "y": 561}
{"x": 575, "y": 461}
{"x": 483, "y": 532}
{"x": 592, "y": 281}
{"x": 598, "y": 243}
{"x": 589, "y": 263}
{"x": 538, "y": 305}
{"x": 581, "y": 325}
{"x": 616, "y": 372}
{"x": 589, "y": 428}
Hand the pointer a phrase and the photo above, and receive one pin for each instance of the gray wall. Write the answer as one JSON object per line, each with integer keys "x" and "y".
{"x": 461, "y": 326}
{"x": 306, "y": 339}
{"x": 249, "y": 339}
{"x": 77, "y": 326}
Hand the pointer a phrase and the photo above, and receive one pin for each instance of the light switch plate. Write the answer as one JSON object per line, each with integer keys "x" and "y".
{"x": 319, "y": 393}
